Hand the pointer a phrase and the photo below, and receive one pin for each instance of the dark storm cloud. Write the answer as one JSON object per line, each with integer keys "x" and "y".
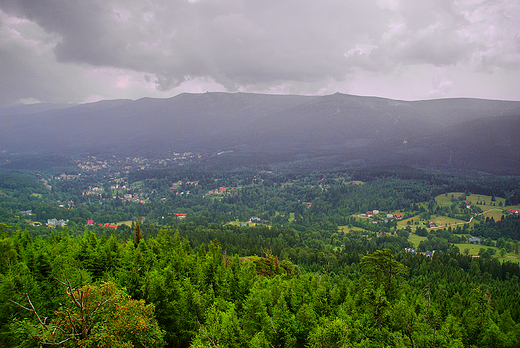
{"x": 253, "y": 44}
{"x": 235, "y": 42}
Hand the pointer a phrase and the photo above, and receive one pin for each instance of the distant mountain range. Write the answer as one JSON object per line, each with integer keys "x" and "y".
{"x": 279, "y": 131}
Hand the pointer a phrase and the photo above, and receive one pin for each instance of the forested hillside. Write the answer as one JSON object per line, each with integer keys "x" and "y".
{"x": 277, "y": 132}
{"x": 376, "y": 257}
{"x": 206, "y": 296}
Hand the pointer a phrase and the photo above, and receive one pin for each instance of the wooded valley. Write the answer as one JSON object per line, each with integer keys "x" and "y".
{"x": 374, "y": 257}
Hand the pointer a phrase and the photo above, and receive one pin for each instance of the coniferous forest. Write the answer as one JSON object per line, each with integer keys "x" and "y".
{"x": 374, "y": 257}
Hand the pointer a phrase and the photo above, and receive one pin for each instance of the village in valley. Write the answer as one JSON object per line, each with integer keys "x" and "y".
{"x": 101, "y": 182}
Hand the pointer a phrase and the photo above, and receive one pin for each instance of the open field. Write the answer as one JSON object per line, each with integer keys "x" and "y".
{"x": 485, "y": 201}
{"x": 415, "y": 239}
{"x": 440, "y": 220}
{"x": 446, "y": 221}
{"x": 473, "y": 249}
{"x": 242, "y": 223}
{"x": 444, "y": 200}
{"x": 346, "y": 229}
{"x": 511, "y": 257}
{"x": 493, "y": 212}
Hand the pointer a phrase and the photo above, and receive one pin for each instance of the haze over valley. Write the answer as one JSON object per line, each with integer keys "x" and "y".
{"x": 278, "y": 132}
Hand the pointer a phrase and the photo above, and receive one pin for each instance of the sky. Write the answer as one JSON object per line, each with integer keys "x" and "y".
{"x": 72, "y": 51}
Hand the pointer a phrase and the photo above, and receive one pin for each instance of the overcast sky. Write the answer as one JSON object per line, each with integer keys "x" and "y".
{"x": 78, "y": 51}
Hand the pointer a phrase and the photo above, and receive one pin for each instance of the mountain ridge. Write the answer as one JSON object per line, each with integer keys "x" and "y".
{"x": 339, "y": 128}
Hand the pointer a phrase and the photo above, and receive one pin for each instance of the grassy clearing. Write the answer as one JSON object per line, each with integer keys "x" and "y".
{"x": 489, "y": 207}
{"x": 242, "y": 223}
{"x": 511, "y": 257}
{"x": 446, "y": 221}
{"x": 37, "y": 195}
{"x": 473, "y": 248}
{"x": 484, "y": 201}
{"x": 495, "y": 213}
{"x": 440, "y": 220}
{"x": 444, "y": 200}
{"x": 415, "y": 239}
{"x": 346, "y": 229}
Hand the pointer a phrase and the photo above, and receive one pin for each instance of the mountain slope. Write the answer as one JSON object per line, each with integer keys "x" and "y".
{"x": 335, "y": 130}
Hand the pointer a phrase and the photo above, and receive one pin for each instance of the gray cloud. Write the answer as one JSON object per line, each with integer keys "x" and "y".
{"x": 259, "y": 44}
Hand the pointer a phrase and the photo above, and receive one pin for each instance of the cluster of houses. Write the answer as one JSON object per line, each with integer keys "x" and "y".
{"x": 54, "y": 223}
{"x": 45, "y": 183}
{"x": 427, "y": 253}
{"x": 91, "y": 223}
{"x": 120, "y": 187}
{"x": 178, "y": 215}
{"x": 67, "y": 176}
{"x": 221, "y": 191}
{"x": 389, "y": 216}
{"x": 92, "y": 191}
{"x": 136, "y": 198}
{"x": 179, "y": 183}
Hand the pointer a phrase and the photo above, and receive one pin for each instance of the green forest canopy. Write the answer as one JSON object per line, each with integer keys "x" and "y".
{"x": 291, "y": 279}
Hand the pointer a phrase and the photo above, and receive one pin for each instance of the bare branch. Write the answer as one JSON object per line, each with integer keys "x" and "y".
{"x": 61, "y": 281}
{"x": 19, "y": 305}
{"x": 56, "y": 343}
{"x": 205, "y": 334}
{"x": 64, "y": 332}
{"x": 34, "y": 310}
{"x": 70, "y": 317}
{"x": 70, "y": 292}
{"x": 99, "y": 305}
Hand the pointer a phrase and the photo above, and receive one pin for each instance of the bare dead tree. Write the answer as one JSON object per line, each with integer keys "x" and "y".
{"x": 427, "y": 292}
{"x": 409, "y": 330}
{"x": 434, "y": 327}
{"x": 52, "y": 329}
{"x": 79, "y": 324}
